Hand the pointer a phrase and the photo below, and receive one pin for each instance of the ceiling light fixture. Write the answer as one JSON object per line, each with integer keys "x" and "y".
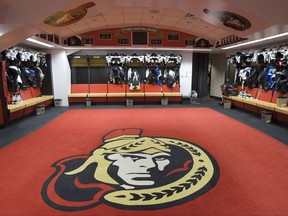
{"x": 256, "y": 41}
{"x": 39, "y": 42}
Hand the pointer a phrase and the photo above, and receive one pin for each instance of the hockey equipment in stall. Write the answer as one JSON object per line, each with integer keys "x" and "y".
{"x": 281, "y": 81}
{"x": 154, "y": 59}
{"x": 244, "y": 75}
{"x": 135, "y": 59}
{"x": 243, "y": 94}
{"x": 39, "y": 76}
{"x": 153, "y": 76}
{"x": 13, "y": 78}
{"x": 32, "y": 77}
{"x": 229, "y": 89}
{"x": 252, "y": 79}
{"x": 270, "y": 74}
{"x": 170, "y": 78}
{"x": 25, "y": 78}
{"x": 14, "y": 82}
{"x": 133, "y": 79}
{"x": 115, "y": 59}
{"x": 117, "y": 75}
{"x": 281, "y": 76}
{"x": 173, "y": 59}
{"x": 263, "y": 83}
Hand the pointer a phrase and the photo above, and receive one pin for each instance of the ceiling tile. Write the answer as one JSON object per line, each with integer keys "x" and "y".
{"x": 95, "y": 24}
{"x": 113, "y": 17}
{"x": 5, "y": 3}
{"x": 134, "y": 21}
{"x": 174, "y": 13}
{"x": 150, "y": 21}
{"x": 94, "y": 19}
{"x": 152, "y": 16}
{"x": 64, "y": 33}
{"x": 131, "y": 10}
{"x": 167, "y": 23}
{"x": 155, "y": 11}
{"x": 114, "y": 11}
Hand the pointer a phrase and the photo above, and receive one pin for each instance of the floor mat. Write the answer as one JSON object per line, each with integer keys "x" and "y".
{"x": 152, "y": 161}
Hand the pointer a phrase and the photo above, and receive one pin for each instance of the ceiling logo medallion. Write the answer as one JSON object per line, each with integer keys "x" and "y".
{"x": 230, "y": 19}
{"x": 64, "y": 18}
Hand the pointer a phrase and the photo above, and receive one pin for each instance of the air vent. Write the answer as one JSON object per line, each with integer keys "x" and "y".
{"x": 189, "y": 15}
{"x": 190, "y": 18}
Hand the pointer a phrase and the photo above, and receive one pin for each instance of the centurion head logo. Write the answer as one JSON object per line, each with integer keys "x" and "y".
{"x": 131, "y": 171}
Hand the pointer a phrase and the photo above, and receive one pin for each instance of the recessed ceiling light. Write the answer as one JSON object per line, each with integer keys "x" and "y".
{"x": 39, "y": 42}
{"x": 256, "y": 41}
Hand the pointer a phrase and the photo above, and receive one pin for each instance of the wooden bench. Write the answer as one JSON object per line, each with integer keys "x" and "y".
{"x": 77, "y": 97}
{"x": 112, "y": 93}
{"x": 98, "y": 93}
{"x": 28, "y": 106}
{"x": 79, "y": 93}
{"x": 153, "y": 93}
{"x": 261, "y": 101}
{"x": 281, "y": 114}
{"x": 173, "y": 94}
{"x": 116, "y": 93}
{"x": 136, "y": 95}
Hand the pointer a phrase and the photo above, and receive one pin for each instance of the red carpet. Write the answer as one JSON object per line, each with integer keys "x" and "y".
{"x": 73, "y": 166}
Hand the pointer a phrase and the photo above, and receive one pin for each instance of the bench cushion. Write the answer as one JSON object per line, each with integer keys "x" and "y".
{"x": 135, "y": 94}
{"x": 77, "y": 95}
{"x": 266, "y": 105}
{"x": 283, "y": 110}
{"x": 116, "y": 94}
{"x": 153, "y": 94}
{"x": 97, "y": 95}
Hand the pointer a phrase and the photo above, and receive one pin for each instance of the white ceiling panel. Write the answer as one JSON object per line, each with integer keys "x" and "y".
{"x": 113, "y": 17}
{"x": 167, "y": 23}
{"x": 152, "y": 17}
{"x": 133, "y": 10}
{"x": 113, "y": 11}
{"x": 174, "y": 13}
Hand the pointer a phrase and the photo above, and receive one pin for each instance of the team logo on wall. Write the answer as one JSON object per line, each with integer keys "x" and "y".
{"x": 131, "y": 171}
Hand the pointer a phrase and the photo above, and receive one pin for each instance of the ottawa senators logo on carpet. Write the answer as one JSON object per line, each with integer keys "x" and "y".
{"x": 131, "y": 171}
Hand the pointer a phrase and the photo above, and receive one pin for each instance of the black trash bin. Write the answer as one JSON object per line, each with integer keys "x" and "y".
{"x": 58, "y": 102}
{"x": 40, "y": 109}
{"x": 88, "y": 102}
{"x": 266, "y": 116}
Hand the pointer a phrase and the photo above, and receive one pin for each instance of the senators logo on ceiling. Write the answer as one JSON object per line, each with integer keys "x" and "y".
{"x": 64, "y": 18}
{"x": 131, "y": 171}
{"x": 230, "y": 19}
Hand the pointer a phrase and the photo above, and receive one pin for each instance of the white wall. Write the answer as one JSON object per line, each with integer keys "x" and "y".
{"x": 217, "y": 74}
{"x": 186, "y": 73}
{"x": 61, "y": 76}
